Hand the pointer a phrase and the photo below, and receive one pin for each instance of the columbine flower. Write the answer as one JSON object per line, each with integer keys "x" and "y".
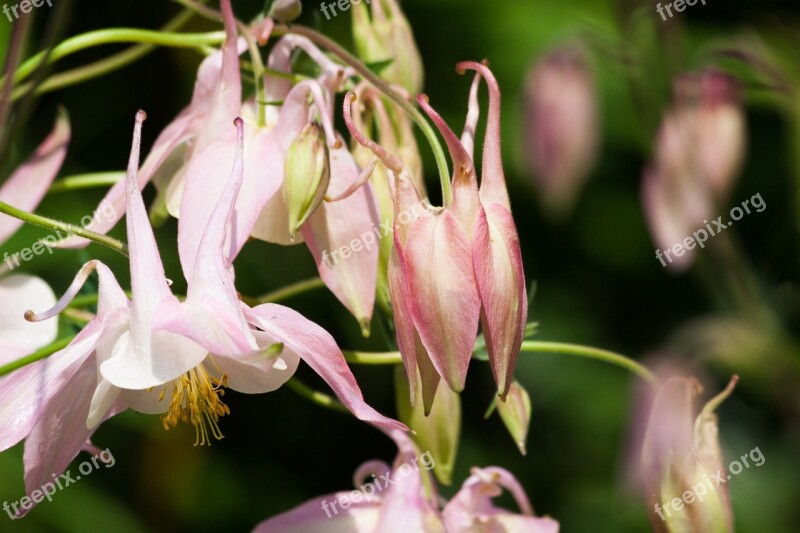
{"x": 24, "y": 189}
{"x": 681, "y": 454}
{"x": 561, "y": 126}
{"x": 156, "y": 355}
{"x": 404, "y": 498}
{"x": 454, "y": 266}
{"x": 699, "y": 151}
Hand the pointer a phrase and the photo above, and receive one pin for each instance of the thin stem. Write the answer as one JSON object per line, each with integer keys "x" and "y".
{"x": 86, "y": 181}
{"x": 294, "y": 289}
{"x": 103, "y": 66}
{"x": 117, "y": 35}
{"x": 373, "y": 358}
{"x": 385, "y": 88}
{"x": 35, "y": 356}
{"x": 592, "y": 353}
{"x": 315, "y": 396}
{"x": 59, "y": 226}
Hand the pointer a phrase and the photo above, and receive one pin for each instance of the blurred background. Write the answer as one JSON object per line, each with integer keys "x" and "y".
{"x": 598, "y": 281}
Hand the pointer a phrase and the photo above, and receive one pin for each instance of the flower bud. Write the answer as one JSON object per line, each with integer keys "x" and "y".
{"x": 682, "y": 465}
{"x": 285, "y": 10}
{"x": 561, "y": 127}
{"x": 306, "y": 175}
{"x": 383, "y": 34}
{"x": 515, "y": 412}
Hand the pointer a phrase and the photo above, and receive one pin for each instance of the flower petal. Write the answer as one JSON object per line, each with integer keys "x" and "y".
{"x": 315, "y": 517}
{"x": 19, "y": 337}
{"x": 318, "y": 349}
{"x": 259, "y": 372}
{"x": 28, "y": 184}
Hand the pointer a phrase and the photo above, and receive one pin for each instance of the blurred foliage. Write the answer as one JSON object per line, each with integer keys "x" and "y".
{"x": 598, "y": 283}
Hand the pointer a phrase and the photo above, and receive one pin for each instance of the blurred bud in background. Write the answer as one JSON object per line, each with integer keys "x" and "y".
{"x": 561, "y": 124}
{"x": 699, "y": 152}
{"x": 681, "y": 461}
{"x": 381, "y": 33}
{"x": 285, "y": 10}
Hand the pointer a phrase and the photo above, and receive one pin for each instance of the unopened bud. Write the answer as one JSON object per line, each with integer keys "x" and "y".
{"x": 306, "y": 176}
{"x": 515, "y": 412}
{"x": 285, "y": 10}
{"x": 383, "y": 34}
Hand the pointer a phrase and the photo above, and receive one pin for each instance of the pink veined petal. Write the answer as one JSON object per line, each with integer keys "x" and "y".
{"x": 28, "y": 184}
{"x": 61, "y": 433}
{"x": 347, "y": 224}
{"x": 446, "y": 301}
{"x": 311, "y": 517}
{"x": 501, "y": 284}
{"x": 25, "y": 393}
{"x": 319, "y": 350}
{"x": 18, "y": 337}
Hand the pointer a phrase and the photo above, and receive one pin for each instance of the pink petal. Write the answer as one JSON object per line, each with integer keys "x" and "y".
{"x": 318, "y": 349}
{"x": 258, "y": 372}
{"x": 501, "y": 283}
{"x": 311, "y": 517}
{"x": 25, "y": 393}
{"x": 28, "y": 184}
{"x": 18, "y": 337}
{"x": 346, "y": 227}
{"x": 61, "y": 433}
{"x": 446, "y": 301}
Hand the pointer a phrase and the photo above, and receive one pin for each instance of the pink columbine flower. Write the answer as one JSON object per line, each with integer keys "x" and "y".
{"x": 404, "y": 498}
{"x": 159, "y": 356}
{"x": 455, "y": 266}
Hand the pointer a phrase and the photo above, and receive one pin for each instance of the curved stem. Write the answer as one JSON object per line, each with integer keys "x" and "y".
{"x": 287, "y": 292}
{"x": 103, "y": 66}
{"x": 116, "y": 35}
{"x": 86, "y": 181}
{"x": 56, "y": 225}
{"x": 592, "y": 353}
{"x": 35, "y": 356}
{"x": 315, "y": 396}
{"x": 385, "y": 88}
{"x": 373, "y": 358}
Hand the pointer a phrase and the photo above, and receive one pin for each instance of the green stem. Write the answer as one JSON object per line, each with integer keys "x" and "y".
{"x": 116, "y": 35}
{"x": 592, "y": 353}
{"x": 86, "y": 181}
{"x": 56, "y": 225}
{"x": 35, "y": 356}
{"x": 373, "y": 358}
{"x": 315, "y": 396}
{"x": 294, "y": 289}
{"x": 103, "y": 66}
{"x": 385, "y": 88}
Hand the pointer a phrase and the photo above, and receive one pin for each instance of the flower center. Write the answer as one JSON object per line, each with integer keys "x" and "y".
{"x": 196, "y": 400}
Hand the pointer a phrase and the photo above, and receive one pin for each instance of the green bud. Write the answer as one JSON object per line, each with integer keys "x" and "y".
{"x": 306, "y": 176}
{"x": 285, "y": 10}
{"x": 516, "y": 414}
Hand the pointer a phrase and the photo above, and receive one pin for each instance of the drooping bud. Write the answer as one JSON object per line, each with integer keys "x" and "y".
{"x": 306, "y": 175}
{"x": 285, "y": 10}
{"x": 439, "y": 431}
{"x": 682, "y": 465}
{"x": 515, "y": 412}
{"x": 561, "y": 127}
{"x": 381, "y": 34}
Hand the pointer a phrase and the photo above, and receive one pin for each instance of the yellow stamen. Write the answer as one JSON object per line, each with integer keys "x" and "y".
{"x": 196, "y": 400}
